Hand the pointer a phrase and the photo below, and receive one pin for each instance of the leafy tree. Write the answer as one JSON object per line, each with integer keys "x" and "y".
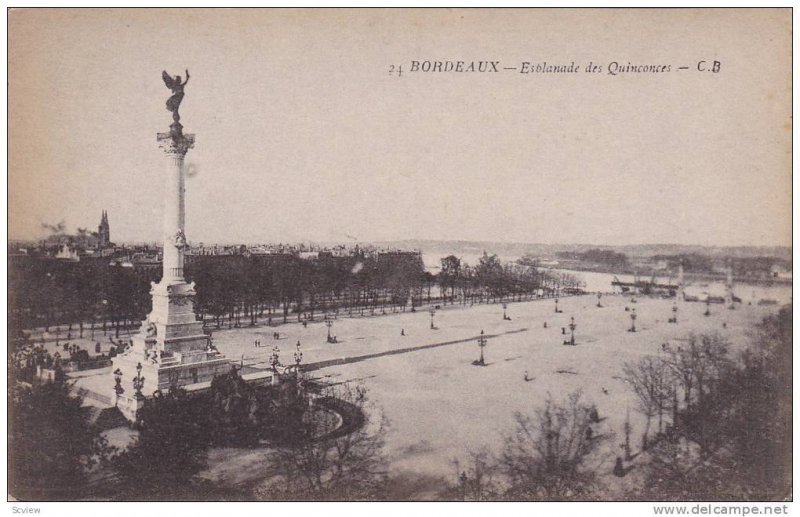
{"x": 449, "y": 274}
{"x": 52, "y": 444}
{"x": 170, "y": 450}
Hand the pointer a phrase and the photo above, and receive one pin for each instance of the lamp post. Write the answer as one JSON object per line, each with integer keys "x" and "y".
{"x": 599, "y": 295}
{"x": 708, "y": 306}
{"x": 298, "y": 356}
{"x": 572, "y": 326}
{"x": 557, "y": 305}
{"x": 481, "y": 344}
{"x": 432, "y": 312}
{"x": 329, "y": 324}
{"x": 505, "y": 306}
{"x": 138, "y": 382}
{"x": 274, "y": 360}
{"x": 633, "y": 321}
{"x": 118, "y": 389}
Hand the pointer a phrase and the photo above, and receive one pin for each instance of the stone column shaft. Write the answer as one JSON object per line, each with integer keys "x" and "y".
{"x": 174, "y": 237}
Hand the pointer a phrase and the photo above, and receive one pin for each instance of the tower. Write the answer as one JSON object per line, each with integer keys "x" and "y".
{"x": 104, "y": 231}
{"x": 171, "y": 348}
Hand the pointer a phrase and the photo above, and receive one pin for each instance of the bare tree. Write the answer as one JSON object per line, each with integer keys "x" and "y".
{"x": 650, "y": 381}
{"x": 476, "y": 478}
{"x": 547, "y": 456}
{"x": 698, "y": 364}
{"x": 700, "y": 367}
{"x": 337, "y": 455}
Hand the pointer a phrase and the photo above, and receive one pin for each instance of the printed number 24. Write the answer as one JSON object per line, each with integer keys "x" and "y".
{"x": 396, "y": 70}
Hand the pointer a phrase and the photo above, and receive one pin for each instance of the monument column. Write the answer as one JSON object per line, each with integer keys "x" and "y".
{"x": 175, "y": 147}
{"x": 171, "y": 349}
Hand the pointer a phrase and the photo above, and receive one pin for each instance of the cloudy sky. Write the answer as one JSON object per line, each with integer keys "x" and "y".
{"x": 302, "y": 134}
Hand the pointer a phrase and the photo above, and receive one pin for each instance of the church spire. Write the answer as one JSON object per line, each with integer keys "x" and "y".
{"x": 103, "y": 230}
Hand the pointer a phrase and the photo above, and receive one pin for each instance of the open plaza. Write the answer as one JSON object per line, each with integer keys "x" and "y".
{"x": 440, "y": 407}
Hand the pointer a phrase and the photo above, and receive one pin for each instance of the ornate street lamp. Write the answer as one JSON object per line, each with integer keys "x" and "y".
{"x": 481, "y": 344}
{"x": 138, "y": 382}
{"x": 432, "y": 312}
{"x": 274, "y": 359}
{"x": 633, "y": 321}
{"x": 118, "y": 389}
{"x": 298, "y": 356}
{"x": 572, "y": 326}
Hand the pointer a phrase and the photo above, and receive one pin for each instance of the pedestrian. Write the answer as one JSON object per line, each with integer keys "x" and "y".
{"x": 402, "y": 332}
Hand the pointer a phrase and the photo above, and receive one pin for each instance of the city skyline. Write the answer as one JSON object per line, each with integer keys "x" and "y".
{"x": 303, "y": 136}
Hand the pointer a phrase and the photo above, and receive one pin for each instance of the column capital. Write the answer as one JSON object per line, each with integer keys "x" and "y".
{"x": 172, "y": 144}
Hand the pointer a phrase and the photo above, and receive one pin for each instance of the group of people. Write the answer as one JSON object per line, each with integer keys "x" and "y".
{"x": 26, "y": 361}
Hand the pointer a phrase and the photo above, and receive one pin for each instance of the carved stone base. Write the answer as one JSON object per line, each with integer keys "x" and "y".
{"x": 172, "y": 348}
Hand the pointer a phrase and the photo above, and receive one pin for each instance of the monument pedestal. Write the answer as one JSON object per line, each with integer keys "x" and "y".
{"x": 171, "y": 347}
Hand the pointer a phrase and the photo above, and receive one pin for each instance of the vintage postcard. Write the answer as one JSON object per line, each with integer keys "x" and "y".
{"x": 400, "y": 255}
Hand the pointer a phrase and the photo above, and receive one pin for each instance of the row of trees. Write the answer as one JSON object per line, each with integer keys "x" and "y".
{"x": 82, "y": 295}
{"x": 492, "y": 280}
{"x": 241, "y": 290}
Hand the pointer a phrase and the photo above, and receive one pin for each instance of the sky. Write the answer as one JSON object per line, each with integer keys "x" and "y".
{"x": 303, "y": 135}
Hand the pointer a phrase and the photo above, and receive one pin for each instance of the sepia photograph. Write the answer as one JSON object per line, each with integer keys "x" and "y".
{"x": 400, "y": 254}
